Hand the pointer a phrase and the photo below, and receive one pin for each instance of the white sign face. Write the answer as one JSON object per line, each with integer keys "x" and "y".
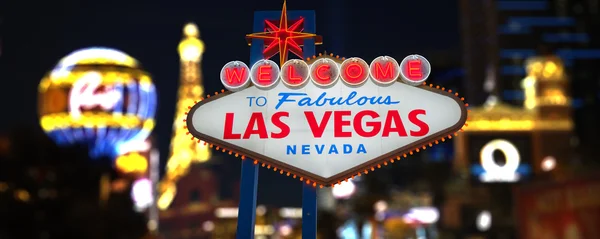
{"x": 327, "y": 134}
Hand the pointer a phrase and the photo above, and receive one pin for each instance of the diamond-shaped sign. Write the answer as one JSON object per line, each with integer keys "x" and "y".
{"x": 326, "y": 134}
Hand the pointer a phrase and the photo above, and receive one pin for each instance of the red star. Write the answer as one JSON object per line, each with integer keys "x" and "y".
{"x": 283, "y": 38}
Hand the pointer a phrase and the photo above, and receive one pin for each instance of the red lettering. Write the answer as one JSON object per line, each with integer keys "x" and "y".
{"x": 284, "y": 128}
{"x": 233, "y": 74}
{"x": 317, "y": 129}
{"x": 321, "y": 73}
{"x": 375, "y": 125}
{"x": 423, "y": 127}
{"x": 354, "y": 71}
{"x": 228, "y": 131}
{"x": 264, "y": 73}
{"x": 384, "y": 72}
{"x": 256, "y": 121}
{"x": 339, "y": 122}
{"x": 414, "y": 69}
{"x": 292, "y": 77}
{"x": 393, "y": 117}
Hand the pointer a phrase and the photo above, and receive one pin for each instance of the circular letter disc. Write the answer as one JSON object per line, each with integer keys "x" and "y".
{"x": 235, "y": 75}
{"x": 414, "y": 69}
{"x": 324, "y": 72}
{"x": 264, "y": 73}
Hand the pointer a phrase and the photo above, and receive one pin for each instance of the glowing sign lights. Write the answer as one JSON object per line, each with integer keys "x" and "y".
{"x": 86, "y": 93}
{"x": 100, "y": 97}
{"x": 490, "y": 171}
{"x": 325, "y": 72}
{"x": 326, "y": 121}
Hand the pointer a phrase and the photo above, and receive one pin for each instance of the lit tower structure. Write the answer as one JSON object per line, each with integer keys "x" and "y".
{"x": 184, "y": 151}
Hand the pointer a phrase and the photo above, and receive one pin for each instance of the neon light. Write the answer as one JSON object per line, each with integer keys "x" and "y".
{"x": 232, "y": 74}
{"x": 295, "y": 73}
{"x": 493, "y": 171}
{"x": 283, "y": 38}
{"x": 321, "y": 75}
{"x": 264, "y": 73}
{"x": 384, "y": 70}
{"x": 235, "y": 75}
{"x": 353, "y": 71}
{"x": 414, "y": 69}
{"x": 292, "y": 77}
{"x": 381, "y": 73}
{"x": 84, "y": 95}
{"x": 324, "y": 72}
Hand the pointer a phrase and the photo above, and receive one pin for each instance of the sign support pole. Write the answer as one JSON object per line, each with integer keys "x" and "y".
{"x": 247, "y": 205}
{"x": 309, "y": 192}
{"x": 249, "y": 177}
{"x": 309, "y": 211}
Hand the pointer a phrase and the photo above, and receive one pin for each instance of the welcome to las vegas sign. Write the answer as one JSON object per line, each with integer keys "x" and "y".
{"x": 326, "y": 119}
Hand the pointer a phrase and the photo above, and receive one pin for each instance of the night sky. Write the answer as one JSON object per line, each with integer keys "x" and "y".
{"x": 35, "y": 35}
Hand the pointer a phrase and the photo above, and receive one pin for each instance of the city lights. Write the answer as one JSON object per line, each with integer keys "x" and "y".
{"x": 98, "y": 96}
{"x": 484, "y": 221}
{"x": 343, "y": 190}
{"x": 493, "y": 171}
{"x": 184, "y": 151}
{"x": 421, "y": 215}
{"x": 287, "y": 212}
{"x": 142, "y": 193}
{"x": 325, "y": 72}
{"x": 548, "y": 163}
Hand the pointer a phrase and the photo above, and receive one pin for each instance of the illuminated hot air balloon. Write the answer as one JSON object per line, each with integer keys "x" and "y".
{"x": 100, "y": 97}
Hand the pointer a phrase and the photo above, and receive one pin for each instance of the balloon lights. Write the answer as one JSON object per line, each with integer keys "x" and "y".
{"x": 97, "y": 96}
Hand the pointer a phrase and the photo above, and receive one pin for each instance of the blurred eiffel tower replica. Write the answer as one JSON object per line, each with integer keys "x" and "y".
{"x": 184, "y": 151}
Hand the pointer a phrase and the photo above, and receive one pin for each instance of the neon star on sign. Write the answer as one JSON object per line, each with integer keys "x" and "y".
{"x": 325, "y": 120}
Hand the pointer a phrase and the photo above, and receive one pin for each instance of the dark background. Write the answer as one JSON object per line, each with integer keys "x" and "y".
{"x": 36, "y": 34}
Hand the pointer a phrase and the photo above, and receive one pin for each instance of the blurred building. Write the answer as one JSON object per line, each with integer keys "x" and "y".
{"x": 568, "y": 209}
{"x": 193, "y": 208}
{"x": 504, "y": 145}
{"x": 499, "y": 35}
{"x": 202, "y": 208}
